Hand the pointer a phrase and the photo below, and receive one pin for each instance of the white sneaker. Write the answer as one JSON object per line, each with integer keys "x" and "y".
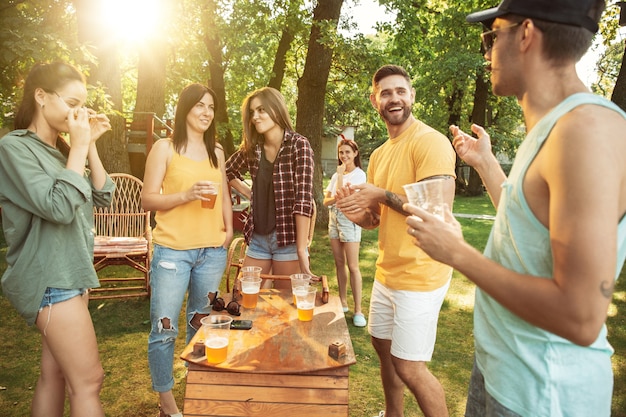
{"x": 381, "y": 414}
{"x": 359, "y": 321}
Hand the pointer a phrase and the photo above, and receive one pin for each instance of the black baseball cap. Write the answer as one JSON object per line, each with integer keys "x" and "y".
{"x": 569, "y": 12}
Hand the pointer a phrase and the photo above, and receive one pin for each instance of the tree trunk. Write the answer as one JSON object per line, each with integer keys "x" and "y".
{"x": 112, "y": 145}
{"x": 278, "y": 71}
{"x": 312, "y": 90}
{"x": 216, "y": 70}
{"x": 454, "y": 110}
{"x": 151, "y": 79}
{"x": 475, "y": 183}
{"x": 619, "y": 91}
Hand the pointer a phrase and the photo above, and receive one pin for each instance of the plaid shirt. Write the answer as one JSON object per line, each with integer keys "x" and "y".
{"x": 293, "y": 184}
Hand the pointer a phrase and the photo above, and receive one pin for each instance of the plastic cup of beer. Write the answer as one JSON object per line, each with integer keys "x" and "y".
{"x": 299, "y": 280}
{"x": 216, "y": 337}
{"x": 211, "y": 195}
{"x": 427, "y": 194}
{"x": 305, "y": 302}
{"x": 250, "y": 287}
{"x": 254, "y": 271}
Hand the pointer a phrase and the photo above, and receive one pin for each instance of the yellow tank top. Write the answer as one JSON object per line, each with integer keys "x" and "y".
{"x": 189, "y": 226}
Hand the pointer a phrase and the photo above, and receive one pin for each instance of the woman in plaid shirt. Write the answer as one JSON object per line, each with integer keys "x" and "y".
{"x": 280, "y": 162}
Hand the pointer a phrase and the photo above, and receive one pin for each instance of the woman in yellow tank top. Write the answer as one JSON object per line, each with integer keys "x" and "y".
{"x": 190, "y": 239}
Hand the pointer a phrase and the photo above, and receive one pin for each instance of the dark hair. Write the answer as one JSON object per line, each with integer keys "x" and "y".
{"x": 49, "y": 77}
{"x": 386, "y": 71}
{"x": 351, "y": 143}
{"x": 275, "y": 106}
{"x": 189, "y": 97}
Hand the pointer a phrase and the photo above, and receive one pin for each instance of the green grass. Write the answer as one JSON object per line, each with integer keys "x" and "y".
{"x": 122, "y": 328}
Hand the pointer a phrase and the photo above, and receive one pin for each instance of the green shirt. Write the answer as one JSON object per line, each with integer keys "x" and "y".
{"x": 47, "y": 218}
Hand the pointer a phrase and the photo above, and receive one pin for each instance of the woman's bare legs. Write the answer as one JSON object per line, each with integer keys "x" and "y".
{"x": 340, "y": 266}
{"x": 49, "y": 398}
{"x": 351, "y": 250}
{"x": 284, "y": 268}
{"x": 70, "y": 360}
{"x": 276, "y": 268}
{"x": 266, "y": 268}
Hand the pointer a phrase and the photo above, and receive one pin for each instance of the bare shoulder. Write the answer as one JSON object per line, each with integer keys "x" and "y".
{"x": 591, "y": 128}
{"x": 589, "y": 143}
{"x": 162, "y": 145}
{"x": 219, "y": 152}
{"x": 161, "y": 151}
{"x": 594, "y": 118}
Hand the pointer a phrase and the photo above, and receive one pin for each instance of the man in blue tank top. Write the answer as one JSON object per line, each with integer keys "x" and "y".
{"x": 546, "y": 278}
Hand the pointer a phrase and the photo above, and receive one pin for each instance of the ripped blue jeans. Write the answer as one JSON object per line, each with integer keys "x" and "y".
{"x": 173, "y": 273}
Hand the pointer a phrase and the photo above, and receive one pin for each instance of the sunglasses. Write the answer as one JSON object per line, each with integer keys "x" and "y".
{"x": 232, "y": 307}
{"x": 489, "y": 38}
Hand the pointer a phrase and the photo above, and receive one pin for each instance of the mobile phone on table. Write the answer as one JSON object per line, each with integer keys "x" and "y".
{"x": 241, "y": 324}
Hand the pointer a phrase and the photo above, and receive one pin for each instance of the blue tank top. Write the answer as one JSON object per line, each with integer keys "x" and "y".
{"x": 529, "y": 370}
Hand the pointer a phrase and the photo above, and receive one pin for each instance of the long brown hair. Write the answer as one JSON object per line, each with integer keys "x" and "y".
{"x": 276, "y": 108}
{"x": 49, "y": 77}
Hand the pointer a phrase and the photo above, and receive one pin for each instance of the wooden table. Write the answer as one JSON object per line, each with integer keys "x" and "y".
{"x": 279, "y": 368}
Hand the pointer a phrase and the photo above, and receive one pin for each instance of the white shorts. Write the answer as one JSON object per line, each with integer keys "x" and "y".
{"x": 408, "y": 319}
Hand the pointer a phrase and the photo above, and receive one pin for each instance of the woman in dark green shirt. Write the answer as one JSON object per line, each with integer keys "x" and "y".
{"x": 47, "y": 196}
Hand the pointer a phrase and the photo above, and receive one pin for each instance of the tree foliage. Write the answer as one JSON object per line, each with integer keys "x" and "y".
{"x": 31, "y": 32}
{"x": 237, "y": 46}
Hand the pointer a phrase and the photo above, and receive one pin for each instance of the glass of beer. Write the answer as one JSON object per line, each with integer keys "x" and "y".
{"x": 211, "y": 195}
{"x": 250, "y": 287}
{"x": 305, "y": 301}
{"x": 216, "y": 337}
{"x": 299, "y": 280}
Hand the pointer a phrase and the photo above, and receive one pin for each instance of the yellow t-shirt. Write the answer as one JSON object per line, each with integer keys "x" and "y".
{"x": 189, "y": 226}
{"x": 418, "y": 153}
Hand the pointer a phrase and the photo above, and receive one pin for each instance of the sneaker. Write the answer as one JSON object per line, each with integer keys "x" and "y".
{"x": 359, "y": 320}
{"x": 381, "y": 414}
{"x": 345, "y": 309}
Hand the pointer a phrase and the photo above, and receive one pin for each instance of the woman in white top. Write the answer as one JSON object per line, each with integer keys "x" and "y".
{"x": 345, "y": 236}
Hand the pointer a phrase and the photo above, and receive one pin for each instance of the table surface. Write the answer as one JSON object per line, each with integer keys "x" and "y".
{"x": 278, "y": 342}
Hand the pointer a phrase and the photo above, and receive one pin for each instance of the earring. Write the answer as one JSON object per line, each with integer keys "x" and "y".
{"x": 42, "y": 106}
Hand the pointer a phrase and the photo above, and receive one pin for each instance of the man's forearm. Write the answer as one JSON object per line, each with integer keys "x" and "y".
{"x": 493, "y": 176}
{"x": 394, "y": 202}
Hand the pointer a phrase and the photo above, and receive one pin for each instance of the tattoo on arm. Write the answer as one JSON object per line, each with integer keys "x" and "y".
{"x": 394, "y": 202}
{"x": 606, "y": 289}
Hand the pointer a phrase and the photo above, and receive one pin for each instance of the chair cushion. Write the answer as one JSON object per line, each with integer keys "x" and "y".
{"x": 106, "y": 244}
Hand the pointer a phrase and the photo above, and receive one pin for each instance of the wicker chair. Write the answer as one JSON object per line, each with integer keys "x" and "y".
{"x": 123, "y": 237}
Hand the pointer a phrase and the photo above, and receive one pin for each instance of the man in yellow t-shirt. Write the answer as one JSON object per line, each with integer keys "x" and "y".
{"x": 409, "y": 286}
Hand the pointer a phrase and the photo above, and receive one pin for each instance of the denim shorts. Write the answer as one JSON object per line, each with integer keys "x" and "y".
{"x": 266, "y": 247}
{"x": 339, "y": 227}
{"x": 58, "y": 295}
{"x": 480, "y": 403}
